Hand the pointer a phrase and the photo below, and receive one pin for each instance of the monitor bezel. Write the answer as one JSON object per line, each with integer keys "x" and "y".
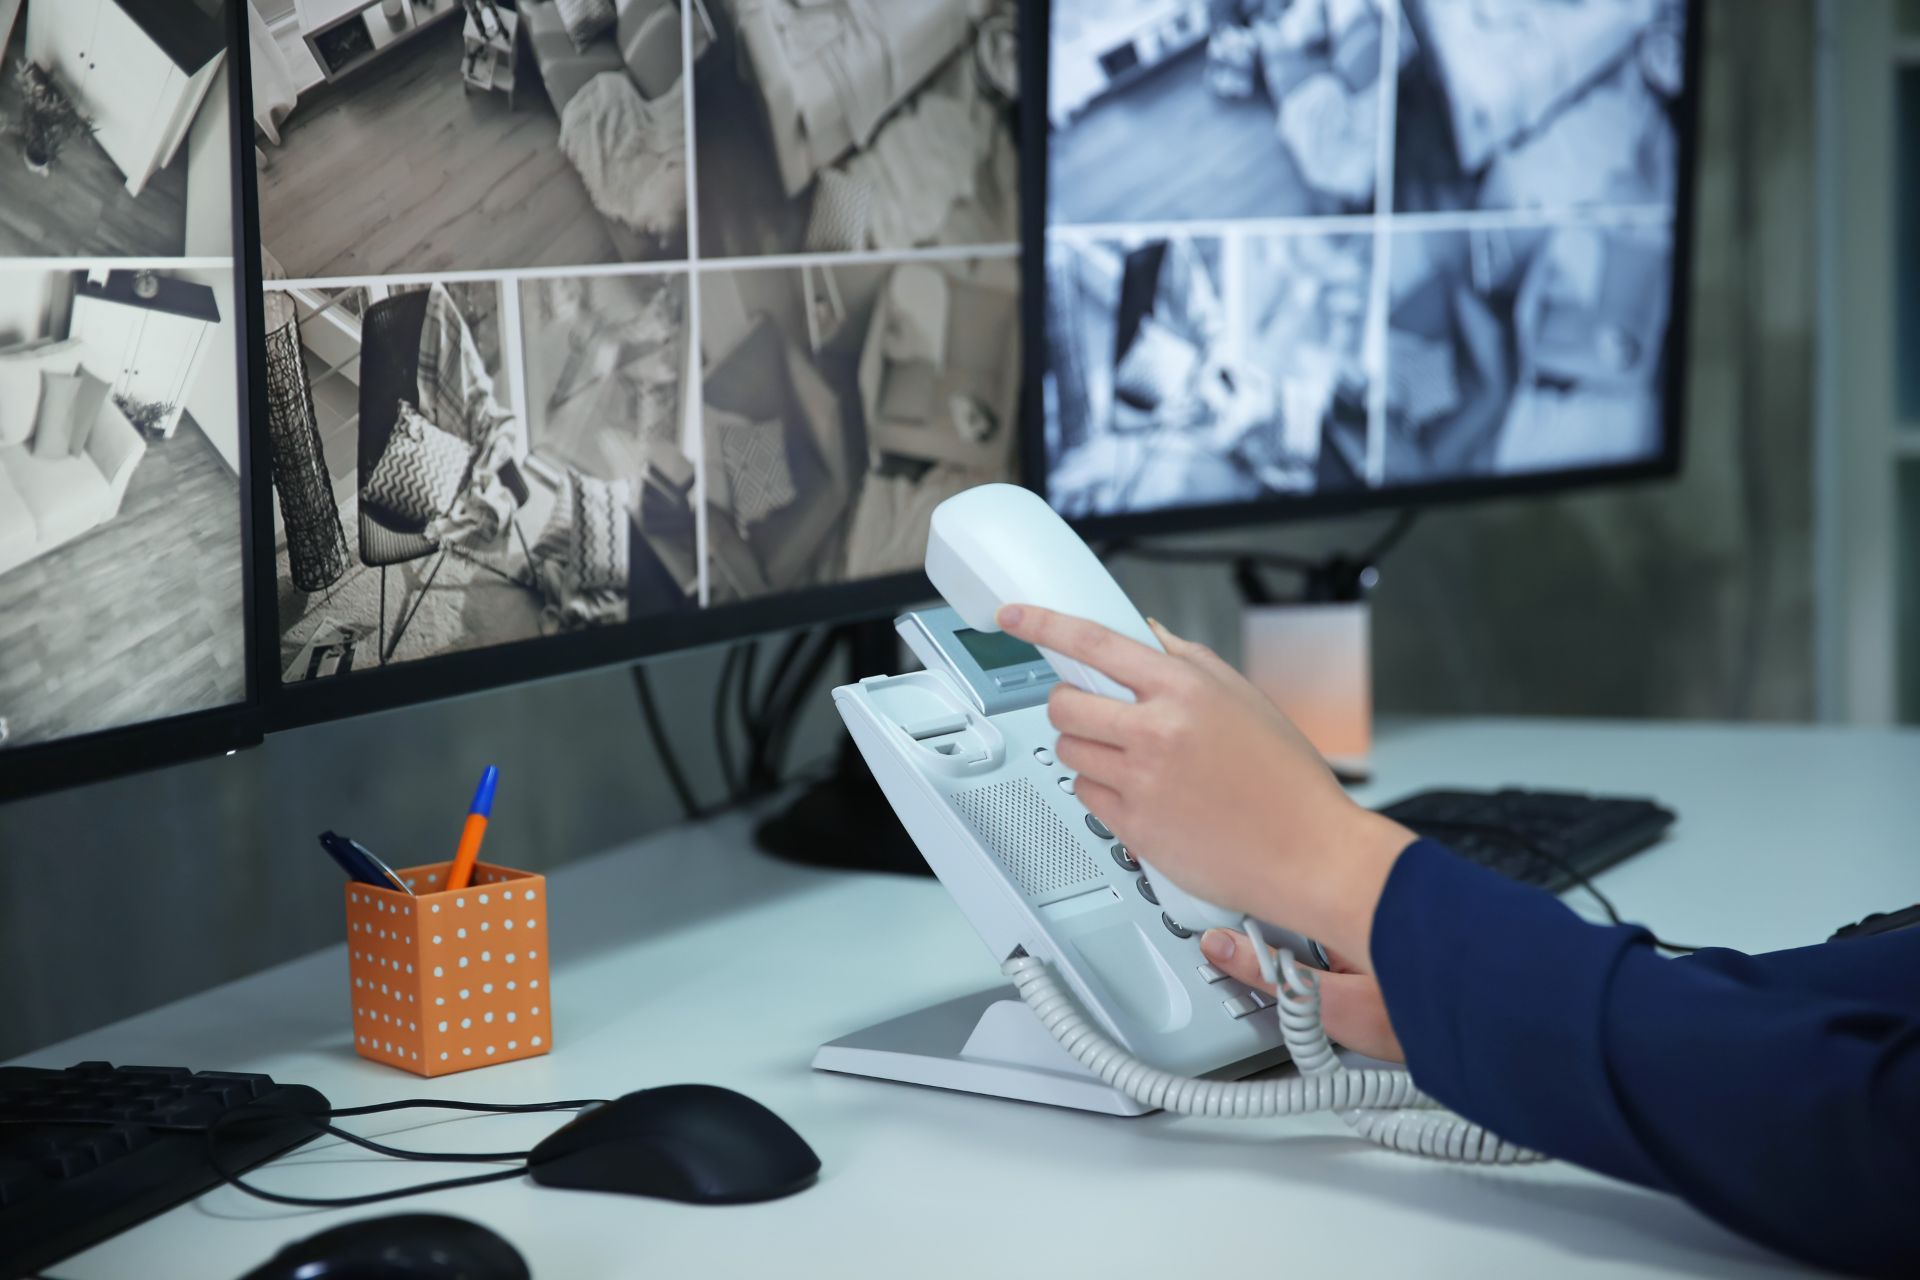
{"x": 40, "y": 767}
{"x": 1036, "y": 141}
{"x": 474, "y": 671}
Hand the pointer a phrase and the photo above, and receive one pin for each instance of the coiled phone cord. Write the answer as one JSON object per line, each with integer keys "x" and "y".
{"x": 1380, "y": 1105}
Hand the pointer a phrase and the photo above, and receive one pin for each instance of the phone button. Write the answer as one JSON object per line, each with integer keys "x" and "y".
{"x": 1014, "y": 681}
{"x": 1066, "y": 785}
{"x": 1146, "y": 891}
{"x": 1125, "y": 859}
{"x": 1177, "y": 930}
{"x": 1209, "y": 974}
{"x": 1260, "y": 999}
{"x": 1044, "y": 756}
{"x": 1098, "y": 828}
{"x": 1241, "y": 1006}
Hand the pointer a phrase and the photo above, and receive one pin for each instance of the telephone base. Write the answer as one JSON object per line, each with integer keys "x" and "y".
{"x": 988, "y": 1043}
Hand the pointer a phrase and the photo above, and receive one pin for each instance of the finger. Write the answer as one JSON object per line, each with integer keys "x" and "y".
{"x": 1102, "y": 801}
{"x": 1229, "y": 951}
{"x": 1113, "y": 655}
{"x": 1080, "y": 714}
{"x": 1093, "y": 761}
{"x": 1338, "y": 963}
{"x": 1198, "y": 654}
{"x": 1351, "y": 1007}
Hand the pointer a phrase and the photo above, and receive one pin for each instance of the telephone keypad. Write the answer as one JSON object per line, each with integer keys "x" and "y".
{"x": 1241, "y": 1006}
{"x": 1146, "y": 891}
{"x": 1125, "y": 859}
{"x": 1098, "y": 828}
{"x": 1174, "y": 928}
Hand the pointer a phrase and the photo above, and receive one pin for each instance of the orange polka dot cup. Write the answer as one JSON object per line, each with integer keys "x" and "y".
{"x": 450, "y": 979}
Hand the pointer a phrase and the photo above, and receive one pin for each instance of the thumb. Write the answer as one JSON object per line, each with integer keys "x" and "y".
{"x": 1351, "y": 1007}
{"x": 1191, "y": 650}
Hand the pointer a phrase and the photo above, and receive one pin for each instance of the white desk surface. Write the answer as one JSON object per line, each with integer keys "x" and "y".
{"x": 689, "y": 958}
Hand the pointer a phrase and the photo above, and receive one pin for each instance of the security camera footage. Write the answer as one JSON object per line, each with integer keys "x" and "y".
{"x": 1300, "y": 247}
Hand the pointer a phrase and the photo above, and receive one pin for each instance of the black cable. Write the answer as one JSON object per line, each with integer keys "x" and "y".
{"x": 1403, "y": 522}
{"x": 1494, "y": 831}
{"x": 722, "y": 737}
{"x": 744, "y": 708}
{"x": 669, "y": 758}
{"x": 233, "y": 1179}
{"x": 781, "y": 731}
{"x": 761, "y": 725}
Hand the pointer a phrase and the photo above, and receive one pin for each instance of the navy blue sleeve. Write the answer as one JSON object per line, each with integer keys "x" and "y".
{"x": 1778, "y": 1094}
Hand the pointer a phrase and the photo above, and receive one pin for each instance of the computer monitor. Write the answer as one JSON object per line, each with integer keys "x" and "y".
{"x": 124, "y": 452}
{"x": 1311, "y": 255}
{"x": 597, "y": 331}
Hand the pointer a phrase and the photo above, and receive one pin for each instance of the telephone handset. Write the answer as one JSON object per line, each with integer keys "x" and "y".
{"x": 1103, "y": 951}
{"x": 999, "y": 544}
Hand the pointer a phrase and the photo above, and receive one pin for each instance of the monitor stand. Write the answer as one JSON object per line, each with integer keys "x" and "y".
{"x": 845, "y": 822}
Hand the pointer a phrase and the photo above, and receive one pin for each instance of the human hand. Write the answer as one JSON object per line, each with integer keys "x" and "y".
{"x": 1213, "y": 785}
{"x": 1351, "y": 1007}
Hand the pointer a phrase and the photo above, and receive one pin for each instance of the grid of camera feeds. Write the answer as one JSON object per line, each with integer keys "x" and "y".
{"x": 122, "y": 598}
{"x": 583, "y": 313}
{"x": 1297, "y": 247}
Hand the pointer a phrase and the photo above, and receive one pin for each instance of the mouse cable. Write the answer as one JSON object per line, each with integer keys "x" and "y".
{"x": 319, "y": 1121}
{"x": 1494, "y": 831}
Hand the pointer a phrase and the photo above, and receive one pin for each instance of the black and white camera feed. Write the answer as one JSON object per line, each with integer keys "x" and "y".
{"x": 1538, "y": 105}
{"x": 115, "y": 130}
{"x": 1176, "y": 110}
{"x": 1200, "y": 371}
{"x": 1517, "y": 351}
{"x": 122, "y": 586}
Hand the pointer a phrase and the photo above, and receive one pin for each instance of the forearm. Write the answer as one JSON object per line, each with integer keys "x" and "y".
{"x": 1786, "y": 1113}
{"x": 1335, "y": 905}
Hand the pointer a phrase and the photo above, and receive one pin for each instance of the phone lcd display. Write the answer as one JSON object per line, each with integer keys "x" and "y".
{"x": 997, "y": 650}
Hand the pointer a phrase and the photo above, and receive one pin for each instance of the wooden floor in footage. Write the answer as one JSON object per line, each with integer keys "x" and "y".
{"x": 399, "y": 169}
{"x": 142, "y": 617}
{"x": 1168, "y": 147}
{"x": 81, "y": 207}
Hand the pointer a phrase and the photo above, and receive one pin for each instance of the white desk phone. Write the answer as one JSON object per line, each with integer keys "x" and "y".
{"x": 963, "y": 751}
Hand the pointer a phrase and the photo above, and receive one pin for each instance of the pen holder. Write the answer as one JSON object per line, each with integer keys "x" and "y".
{"x": 450, "y": 979}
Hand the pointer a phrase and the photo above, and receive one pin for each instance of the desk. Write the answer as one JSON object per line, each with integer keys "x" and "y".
{"x": 688, "y": 957}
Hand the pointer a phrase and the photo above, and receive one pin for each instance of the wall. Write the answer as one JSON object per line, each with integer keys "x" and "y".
{"x": 210, "y": 175}
{"x": 25, "y": 301}
{"x": 211, "y": 870}
{"x": 214, "y": 397}
{"x": 1685, "y": 599}
{"x": 9, "y": 11}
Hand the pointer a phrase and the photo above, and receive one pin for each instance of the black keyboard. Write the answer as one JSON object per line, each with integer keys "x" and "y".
{"x": 88, "y": 1152}
{"x": 1545, "y": 838}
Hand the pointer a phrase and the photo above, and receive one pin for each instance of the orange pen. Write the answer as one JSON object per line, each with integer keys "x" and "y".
{"x": 474, "y": 831}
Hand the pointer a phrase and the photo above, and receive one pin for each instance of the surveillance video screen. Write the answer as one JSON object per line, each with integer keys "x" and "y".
{"x": 122, "y": 437}
{"x": 1301, "y": 247}
{"x": 584, "y": 317}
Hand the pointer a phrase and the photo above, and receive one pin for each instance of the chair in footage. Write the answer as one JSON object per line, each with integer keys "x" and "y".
{"x": 390, "y": 373}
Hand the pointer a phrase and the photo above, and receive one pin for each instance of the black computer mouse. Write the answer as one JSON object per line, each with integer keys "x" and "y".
{"x": 691, "y": 1142}
{"x": 408, "y": 1246}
